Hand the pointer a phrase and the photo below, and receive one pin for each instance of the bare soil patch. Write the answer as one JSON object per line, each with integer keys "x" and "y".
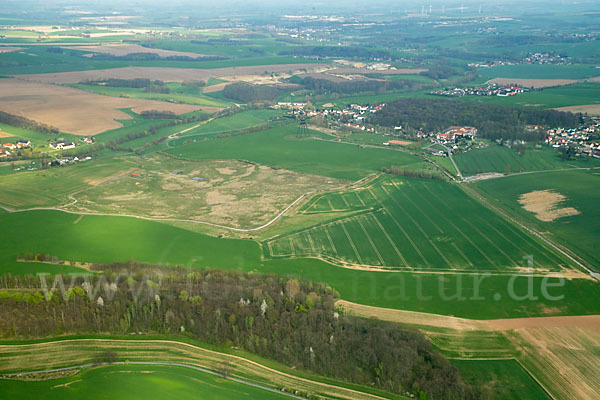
{"x": 5, "y": 134}
{"x": 125, "y": 49}
{"x": 165, "y": 74}
{"x": 362, "y": 71}
{"x": 534, "y": 83}
{"x": 72, "y": 110}
{"x": 215, "y": 88}
{"x": 591, "y": 109}
{"x": 545, "y": 204}
{"x": 411, "y": 317}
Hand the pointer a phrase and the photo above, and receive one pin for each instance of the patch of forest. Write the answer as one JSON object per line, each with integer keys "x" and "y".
{"x": 349, "y": 87}
{"x": 492, "y": 121}
{"x": 249, "y": 93}
{"x": 294, "y": 322}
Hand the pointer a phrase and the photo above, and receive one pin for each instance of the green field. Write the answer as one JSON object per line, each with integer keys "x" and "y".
{"x": 411, "y": 224}
{"x": 280, "y": 148}
{"x": 502, "y": 159}
{"x": 581, "y": 188}
{"x": 230, "y": 124}
{"x": 109, "y": 239}
{"x": 506, "y": 379}
{"x": 135, "y": 382}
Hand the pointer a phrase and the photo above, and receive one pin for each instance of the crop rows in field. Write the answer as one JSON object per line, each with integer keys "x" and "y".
{"x": 411, "y": 224}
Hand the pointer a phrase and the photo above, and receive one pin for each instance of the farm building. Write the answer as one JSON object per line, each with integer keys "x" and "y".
{"x": 63, "y": 145}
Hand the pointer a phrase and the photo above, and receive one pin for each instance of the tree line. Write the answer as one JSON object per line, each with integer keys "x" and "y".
{"x": 492, "y": 121}
{"x": 355, "y": 52}
{"x": 22, "y": 122}
{"x": 291, "y": 321}
{"x": 349, "y": 87}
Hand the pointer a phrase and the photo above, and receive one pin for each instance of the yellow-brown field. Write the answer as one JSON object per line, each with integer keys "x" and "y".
{"x": 561, "y": 353}
{"x": 163, "y": 74}
{"x": 72, "y": 110}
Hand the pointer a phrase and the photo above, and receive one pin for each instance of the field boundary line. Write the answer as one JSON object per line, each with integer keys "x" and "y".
{"x": 310, "y": 241}
{"x": 370, "y": 241}
{"x": 389, "y": 238}
{"x": 330, "y": 240}
{"x": 407, "y": 236}
{"x": 462, "y": 233}
{"x": 351, "y": 243}
{"x": 489, "y": 240}
{"x": 417, "y": 207}
{"x": 420, "y": 228}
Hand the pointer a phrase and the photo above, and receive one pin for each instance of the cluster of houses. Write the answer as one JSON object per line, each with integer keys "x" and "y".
{"x": 579, "y": 138}
{"x": 531, "y": 58}
{"x": 19, "y": 144}
{"x": 354, "y": 115}
{"x": 454, "y": 133}
{"x": 490, "y": 90}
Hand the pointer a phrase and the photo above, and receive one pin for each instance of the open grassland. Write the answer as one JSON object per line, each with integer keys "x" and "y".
{"x": 51, "y": 187}
{"x": 108, "y": 239}
{"x": 504, "y": 160}
{"x": 163, "y": 74}
{"x": 72, "y": 110}
{"x": 579, "y": 231}
{"x": 229, "y": 193}
{"x": 412, "y": 224}
{"x": 135, "y": 382}
{"x": 64, "y": 353}
{"x": 506, "y": 379}
{"x": 280, "y": 148}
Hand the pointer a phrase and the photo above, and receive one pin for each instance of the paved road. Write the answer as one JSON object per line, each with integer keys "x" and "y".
{"x": 453, "y": 162}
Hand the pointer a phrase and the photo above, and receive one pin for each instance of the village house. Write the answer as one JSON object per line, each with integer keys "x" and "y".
{"x": 21, "y": 144}
{"x": 63, "y": 145}
{"x": 9, "y": 146}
